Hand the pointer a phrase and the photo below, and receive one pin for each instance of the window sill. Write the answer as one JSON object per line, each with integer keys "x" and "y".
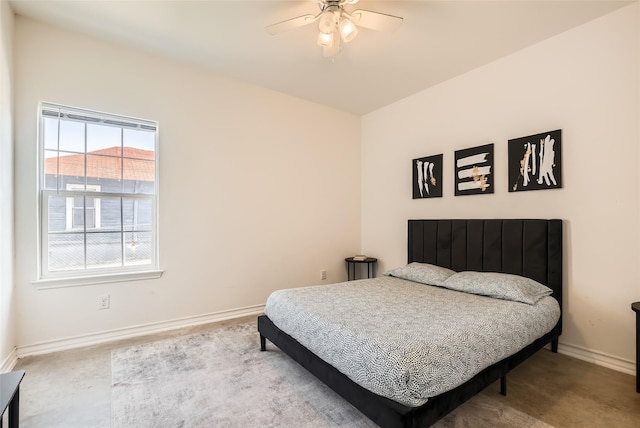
{"x": 43, "y": 284}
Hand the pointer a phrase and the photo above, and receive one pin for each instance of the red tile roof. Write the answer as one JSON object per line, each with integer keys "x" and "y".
{"x": 107, "y": 163}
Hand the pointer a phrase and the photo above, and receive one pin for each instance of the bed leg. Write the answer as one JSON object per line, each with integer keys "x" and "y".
{"x": 263, "y": 343}
{"x": 503, "y": 385}
{"x": 554, "y": 345}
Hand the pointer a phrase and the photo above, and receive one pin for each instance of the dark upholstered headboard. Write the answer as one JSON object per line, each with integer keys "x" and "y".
{"x": 528, "y": 247}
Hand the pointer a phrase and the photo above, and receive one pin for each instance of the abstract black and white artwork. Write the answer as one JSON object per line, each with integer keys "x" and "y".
{"x": 535, "y": 162}
{"x": 474, "y": 170}
{"x": 427, "y": 177}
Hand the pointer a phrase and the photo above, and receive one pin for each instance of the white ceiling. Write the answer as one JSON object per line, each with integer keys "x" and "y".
{"x": 437, "y": 40}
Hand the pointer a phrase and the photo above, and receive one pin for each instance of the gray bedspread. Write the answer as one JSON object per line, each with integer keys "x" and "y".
{"x": 404, "y": 340}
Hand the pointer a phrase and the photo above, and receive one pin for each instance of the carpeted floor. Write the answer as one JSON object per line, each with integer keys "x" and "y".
{"x": 221, "y": 379}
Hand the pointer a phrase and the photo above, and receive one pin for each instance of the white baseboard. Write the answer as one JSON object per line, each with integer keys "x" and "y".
{"x": 598, "y": 358}
{"x": 134, "y": 331}
{"x": 10, "y": 362}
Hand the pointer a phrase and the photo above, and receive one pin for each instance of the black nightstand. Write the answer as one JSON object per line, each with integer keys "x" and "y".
{"x": 636, "y": 307}
{"x": 351, "y": 267}
{"x": 10, "y": 396}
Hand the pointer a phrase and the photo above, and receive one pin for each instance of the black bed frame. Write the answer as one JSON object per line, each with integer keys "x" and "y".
{"x": 527, "y": 247}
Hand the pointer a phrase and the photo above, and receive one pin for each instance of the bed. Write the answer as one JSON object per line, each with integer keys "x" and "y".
{"x": 529, "y": 248}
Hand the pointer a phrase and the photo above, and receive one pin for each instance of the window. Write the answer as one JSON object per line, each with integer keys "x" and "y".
{"x": 77, "y": 214}
{"x": 98, "y": 193}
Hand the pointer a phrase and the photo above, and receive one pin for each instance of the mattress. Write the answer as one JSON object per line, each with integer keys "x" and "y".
{"x": 405, "y": 340}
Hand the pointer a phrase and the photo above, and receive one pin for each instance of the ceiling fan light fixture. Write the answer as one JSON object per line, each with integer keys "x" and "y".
{"x": 336, "y": 25}
{"x": 325, "y": 40}
{"x": 327, "y": 22}
{"x": 348, "y": 29}
{"x": 334, "y": 49}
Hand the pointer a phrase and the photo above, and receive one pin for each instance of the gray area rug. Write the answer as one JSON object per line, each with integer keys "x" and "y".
{"x": 221, "y": 379}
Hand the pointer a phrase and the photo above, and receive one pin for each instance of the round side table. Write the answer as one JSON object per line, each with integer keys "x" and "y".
{"x": 351, "y": 267}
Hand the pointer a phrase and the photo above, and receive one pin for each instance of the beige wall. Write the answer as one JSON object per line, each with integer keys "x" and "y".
{"x": 254, "y": 195}
{"x": 584, "y": 81}
{"x": 7, "y": 300}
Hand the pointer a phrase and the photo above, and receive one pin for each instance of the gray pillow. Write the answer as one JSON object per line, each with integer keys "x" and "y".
{"x": 499, "y": 285}
{"x": 422, "y": 272}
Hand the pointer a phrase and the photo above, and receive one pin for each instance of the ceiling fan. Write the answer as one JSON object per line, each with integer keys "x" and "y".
{"x": 335, "y": 24}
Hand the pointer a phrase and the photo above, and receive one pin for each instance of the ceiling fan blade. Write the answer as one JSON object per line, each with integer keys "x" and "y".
{"x": 290, "y": 24}
{"x": 376, "y": 20}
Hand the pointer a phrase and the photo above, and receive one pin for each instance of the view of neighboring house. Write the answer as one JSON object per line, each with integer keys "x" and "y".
{"x": 109, "y": 221}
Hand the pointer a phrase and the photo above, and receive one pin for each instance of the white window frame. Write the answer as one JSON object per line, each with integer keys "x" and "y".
{"x": 54, "y": 279}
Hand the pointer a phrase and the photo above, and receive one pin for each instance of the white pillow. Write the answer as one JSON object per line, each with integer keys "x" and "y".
{"x": 499, "y": 285}
{"x": 423, "y": 273}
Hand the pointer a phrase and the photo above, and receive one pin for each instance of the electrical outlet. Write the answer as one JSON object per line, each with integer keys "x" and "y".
{"x": 323, "y": 274}
{"x": 103, "y": 301}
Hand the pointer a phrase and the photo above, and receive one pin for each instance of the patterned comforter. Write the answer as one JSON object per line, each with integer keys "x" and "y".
{"x": 404, "y": 340}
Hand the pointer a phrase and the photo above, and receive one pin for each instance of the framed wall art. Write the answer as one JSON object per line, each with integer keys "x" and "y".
{"x": 535, "y": 162}
{"x": 427, "y": 177}
{"x": 474, "y": 170}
